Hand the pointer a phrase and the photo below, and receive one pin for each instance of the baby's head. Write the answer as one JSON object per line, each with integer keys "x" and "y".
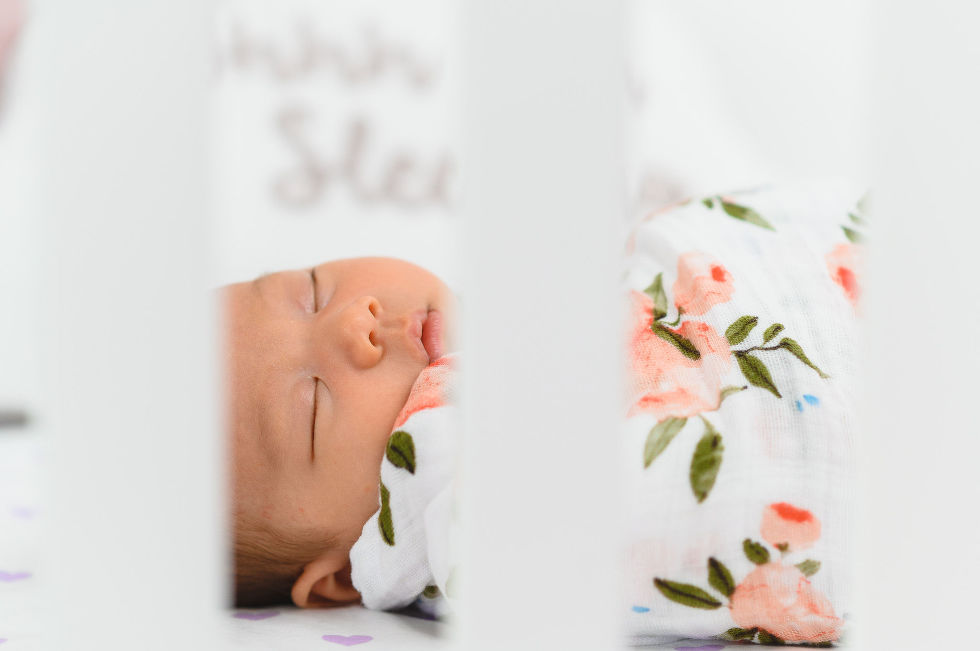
{"x": 319, "y": 361}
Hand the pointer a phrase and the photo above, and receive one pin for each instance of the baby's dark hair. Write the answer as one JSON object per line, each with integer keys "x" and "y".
{"x": 268, "y": 562}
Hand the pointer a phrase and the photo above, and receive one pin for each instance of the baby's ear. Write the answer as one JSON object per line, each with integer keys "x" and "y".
{"x": 325, "y": 582}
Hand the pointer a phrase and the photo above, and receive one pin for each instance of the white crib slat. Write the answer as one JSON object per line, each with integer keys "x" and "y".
{"x": 919, "y": 568}
{"x": 543, "y": 187}
{"x": 135, "y": 551}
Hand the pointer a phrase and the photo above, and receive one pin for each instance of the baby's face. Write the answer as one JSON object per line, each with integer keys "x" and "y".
{"x": 320, "y": 362}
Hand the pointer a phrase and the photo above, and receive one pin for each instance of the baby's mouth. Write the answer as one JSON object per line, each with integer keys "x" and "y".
{"x": 432, "y": 335}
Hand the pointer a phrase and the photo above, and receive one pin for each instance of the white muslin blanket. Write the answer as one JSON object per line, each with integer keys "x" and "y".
{"x": 404, "y": 556}
{"x": 743, "y": 357}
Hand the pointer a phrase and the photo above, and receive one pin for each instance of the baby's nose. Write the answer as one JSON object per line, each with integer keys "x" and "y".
{"x": 360, "y": 333}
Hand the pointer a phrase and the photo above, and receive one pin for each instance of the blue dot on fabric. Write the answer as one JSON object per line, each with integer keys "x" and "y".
{"x": 799, "y": 406}
{"x": 813, "y": 400}
{"x": 640, "y": 609}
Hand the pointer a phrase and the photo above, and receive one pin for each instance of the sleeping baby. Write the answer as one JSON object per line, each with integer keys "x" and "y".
{"x": 742, "y": 363}
{"x": 320, "y": 362}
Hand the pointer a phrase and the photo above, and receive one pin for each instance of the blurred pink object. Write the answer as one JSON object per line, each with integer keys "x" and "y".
{"x": 11, "y": 17}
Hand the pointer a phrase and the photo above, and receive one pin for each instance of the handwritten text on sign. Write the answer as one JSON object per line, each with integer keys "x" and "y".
{"x": 344, "y": 114}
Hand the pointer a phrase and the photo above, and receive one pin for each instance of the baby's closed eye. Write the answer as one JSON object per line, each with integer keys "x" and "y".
{"x": 320, "y": 403}
{"x": 314, "y": 301}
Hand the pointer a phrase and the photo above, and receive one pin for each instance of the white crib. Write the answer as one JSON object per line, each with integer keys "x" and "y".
{"x": 112, "y": 507}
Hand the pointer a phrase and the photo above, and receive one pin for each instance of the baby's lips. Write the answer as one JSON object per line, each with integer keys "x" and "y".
{"x": 432, "y": 330}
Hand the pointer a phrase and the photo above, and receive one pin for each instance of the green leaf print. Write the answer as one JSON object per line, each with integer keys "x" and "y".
{"x": 384, "y": 517}
{"x": 729, "y": 390}
{"x": 676, "y": 340}
{"x": 853, "y": 235}
{"x": 708, "y": 202}
{"x": 755, "y": 552}
{"x": 740, "y": 329}
{"x": 736, "y": 633}
{"x": 720, "y": 578}
{"x": 401, "y": 451}
{"x": 765, "y": 637}
{"x": 809, "y": 567}
{"x": 686, "y": 594}
{"x": 659, "y": 437}
{"x": 745, "y": 214}
{"x": 793, "y": 347}
{"x": 771, "y": 332}
{"x": 864, "y": 204}
{"x": 756, "y": 372}
{"x": 706, "y": 462}
{"x": 659, "y": 296}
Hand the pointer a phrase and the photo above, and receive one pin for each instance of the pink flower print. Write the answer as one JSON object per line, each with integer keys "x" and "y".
{"x": 844, "y": 264}
{"x": 780, "y": 600}
{"x": 662, "y": 380}
{"x": 784, "y": 525}
{"x": 702, "y": 282}
{"x": 429, "y": 391}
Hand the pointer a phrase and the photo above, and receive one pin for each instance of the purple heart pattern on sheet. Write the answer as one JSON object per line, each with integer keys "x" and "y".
{"x": 9, "y": 577}
{"x": 23, "y": 512}
{"x": 347, "y": 640}
{"x": 256, "y": 616}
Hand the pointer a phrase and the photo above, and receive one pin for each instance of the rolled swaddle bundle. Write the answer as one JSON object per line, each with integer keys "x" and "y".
{"x": 743, "y": 359}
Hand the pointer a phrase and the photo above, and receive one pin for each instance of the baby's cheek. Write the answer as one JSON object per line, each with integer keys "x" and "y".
{"x": 361, "y": 509}
{"x": 370, "y": 503}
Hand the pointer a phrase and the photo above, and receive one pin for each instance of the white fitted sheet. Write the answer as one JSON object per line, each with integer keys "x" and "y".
{"x": 294, "y": 628}
{"x": 22, "y": 517}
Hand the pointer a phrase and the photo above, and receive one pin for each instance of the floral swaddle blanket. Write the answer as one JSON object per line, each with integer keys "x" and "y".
{"x": 742, "y": 358}
{"x": 743, "y": 366}
{"x": 403, "y": 556}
